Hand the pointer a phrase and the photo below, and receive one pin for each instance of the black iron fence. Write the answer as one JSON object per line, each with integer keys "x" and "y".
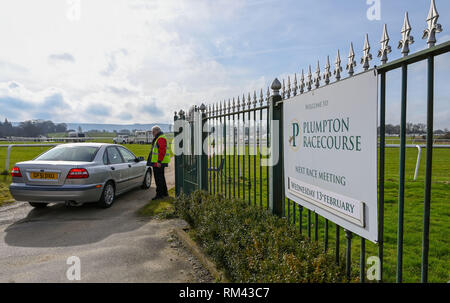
{"x": 236, "y": 160}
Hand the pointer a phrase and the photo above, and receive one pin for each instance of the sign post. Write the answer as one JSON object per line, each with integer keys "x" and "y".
{"x": 276, "y": 200}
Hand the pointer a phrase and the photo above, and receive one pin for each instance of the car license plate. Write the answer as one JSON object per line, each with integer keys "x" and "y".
{"x": 39, "y": 175}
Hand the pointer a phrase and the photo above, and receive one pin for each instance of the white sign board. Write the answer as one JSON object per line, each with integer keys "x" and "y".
{"x": 330, "y": 152}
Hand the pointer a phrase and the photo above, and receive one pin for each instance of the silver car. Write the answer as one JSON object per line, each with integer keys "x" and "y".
{"x": 79, "y": 172}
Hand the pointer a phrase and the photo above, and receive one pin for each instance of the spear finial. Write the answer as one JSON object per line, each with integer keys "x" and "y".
{"x": 255, "y": 99}
{"x": 317, "y": 76}
{"x": 351, "y": 61}
{"x": 433, "y": 26}
{"x": 302, "y": 82}
{"x": 268, "y": 94}
{"x": 229, "y": 105}
{"x": 261, "y": 98}
{"x": 338, "y": 67}
{"x": 288, "y": 92}
{"x": 309, "y": 79}
{"x": 249, "y": 100}
{"x": 234, "y": 104}
{"x": 295, "y": 84}
{"x": 238, "y": 103}
{"x": 407, "y": 39}
{"x": 385, "y": 47}
{"x": 365, "y": 60}
{"x": 327, "y": 72}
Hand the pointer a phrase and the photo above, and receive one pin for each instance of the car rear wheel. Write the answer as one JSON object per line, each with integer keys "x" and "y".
{"x": 38, "y": 205}
{"x": 147, "y": 180}
{"x": 108, "y": 196}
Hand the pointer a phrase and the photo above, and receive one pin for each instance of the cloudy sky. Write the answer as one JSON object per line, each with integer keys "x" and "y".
{"x": 136, "y": 61}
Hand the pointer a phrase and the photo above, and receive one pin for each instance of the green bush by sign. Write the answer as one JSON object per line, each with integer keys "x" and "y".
{"x": 252, "y": 245}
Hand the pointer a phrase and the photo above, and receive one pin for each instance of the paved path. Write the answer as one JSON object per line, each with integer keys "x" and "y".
{"x": 114, "y": 245}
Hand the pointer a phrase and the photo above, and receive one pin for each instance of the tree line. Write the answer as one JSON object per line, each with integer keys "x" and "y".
{"x": 412, "y": 129}
{"x": 31, "y": 128}
{"x": 36, "y": 128}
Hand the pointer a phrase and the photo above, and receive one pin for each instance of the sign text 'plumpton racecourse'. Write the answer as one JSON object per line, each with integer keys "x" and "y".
{"x": 330, "y": 154}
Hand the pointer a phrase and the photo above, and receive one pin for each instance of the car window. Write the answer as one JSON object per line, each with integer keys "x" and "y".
{"x": 127, "y": 155}
{"x": 114, "y": 155}
{"x": 105, "y": 158}
{"x": 70, "y": 153}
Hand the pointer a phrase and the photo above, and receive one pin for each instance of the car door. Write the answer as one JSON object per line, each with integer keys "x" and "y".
{"x": 136, "y": 169}
{"x": 119, "y": 169}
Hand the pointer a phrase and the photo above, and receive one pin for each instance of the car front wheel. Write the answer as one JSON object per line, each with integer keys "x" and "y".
{"x": 108, "y": 196}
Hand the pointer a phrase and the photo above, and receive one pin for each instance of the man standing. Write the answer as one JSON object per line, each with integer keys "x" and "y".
{"x": 159, "y": 159}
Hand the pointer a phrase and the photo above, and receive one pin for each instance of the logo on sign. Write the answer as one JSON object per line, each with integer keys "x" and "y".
{"x": 294, "y": 132}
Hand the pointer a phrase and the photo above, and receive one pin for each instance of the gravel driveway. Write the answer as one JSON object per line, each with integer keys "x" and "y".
{"x": 113, "y": 245}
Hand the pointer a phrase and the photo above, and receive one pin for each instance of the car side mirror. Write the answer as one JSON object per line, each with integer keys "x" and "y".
{"x": 140, "y": 159}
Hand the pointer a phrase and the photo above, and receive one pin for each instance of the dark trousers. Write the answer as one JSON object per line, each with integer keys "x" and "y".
{"x": 160, "y": 181}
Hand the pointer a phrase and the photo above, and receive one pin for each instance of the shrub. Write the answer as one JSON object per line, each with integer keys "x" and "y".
{"x": 252, "y": 245}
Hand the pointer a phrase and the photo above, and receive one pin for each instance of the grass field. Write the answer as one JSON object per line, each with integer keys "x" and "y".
{"x": 439, "y": 262}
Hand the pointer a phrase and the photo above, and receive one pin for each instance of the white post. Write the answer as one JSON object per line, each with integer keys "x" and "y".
{"x": 8, "y": 154}
{"x": 416, "y": 173}
{"x": 10, "y": 146}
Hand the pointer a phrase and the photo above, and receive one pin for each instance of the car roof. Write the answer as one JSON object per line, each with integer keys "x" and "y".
{"x": 91, "y": 144}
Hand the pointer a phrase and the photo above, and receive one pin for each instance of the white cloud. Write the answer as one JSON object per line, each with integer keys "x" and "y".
{"x": 114, "y": 59}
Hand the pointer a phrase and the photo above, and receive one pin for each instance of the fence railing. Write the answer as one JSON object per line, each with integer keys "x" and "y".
{"x": 235, "y": 162}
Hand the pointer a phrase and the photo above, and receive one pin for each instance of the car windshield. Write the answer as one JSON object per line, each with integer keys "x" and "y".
{"x": 70, "y": 153}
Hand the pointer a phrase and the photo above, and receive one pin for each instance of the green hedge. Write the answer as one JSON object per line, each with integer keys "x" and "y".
{"x": 252, "y": 245}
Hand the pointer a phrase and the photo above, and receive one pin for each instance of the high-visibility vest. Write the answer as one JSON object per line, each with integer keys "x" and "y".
{"x": 155, "y": 151}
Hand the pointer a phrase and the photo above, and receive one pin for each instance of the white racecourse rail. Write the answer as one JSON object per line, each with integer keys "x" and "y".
{"x": 10, "y": 146}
